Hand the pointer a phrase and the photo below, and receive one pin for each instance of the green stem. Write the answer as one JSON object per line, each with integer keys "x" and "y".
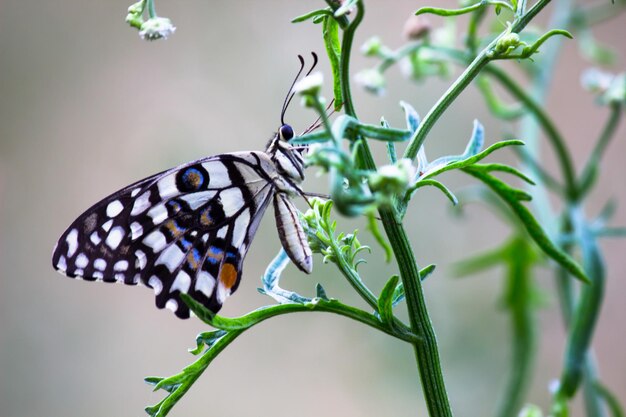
{"x": 591, "y": 167}
{"x": 552, "y": 133}
{"x": 344, "y": 69}
{"x": 426, "y": 352}
{"x": 474, "y": 68}
{"x": 151, "y": 9}
{"x": 319, "y": 305}
{"x": 523, "y": 324}
{"x": 445, "y": 101}
{"x": 586, "y": 312}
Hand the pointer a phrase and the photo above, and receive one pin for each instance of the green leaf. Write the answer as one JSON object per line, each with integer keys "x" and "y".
{"x": 436, "y": 184}
{"x": 610, "y": 399}
{"x": 480, "y": 262}
{"x": 320, "y": 292}
{"x": 177, "y": 385}
{"x": 449, "y": 163}
{"x": 513, "y": 198}
{"x": 372, "y": 226}
{"x": 411, "y": 116}
{"x": 330, "y": 31}
{"x": 398, "y": 293}
{"x": 464, "y": 10}
{"x": 385, "y": 300}
{"x": 311, "y": 15}
{"x": 497, "y": 106}
{"x": 508, "y": 169}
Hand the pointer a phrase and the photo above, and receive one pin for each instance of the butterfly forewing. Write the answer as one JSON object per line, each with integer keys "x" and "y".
{"x": 185, "y": 230}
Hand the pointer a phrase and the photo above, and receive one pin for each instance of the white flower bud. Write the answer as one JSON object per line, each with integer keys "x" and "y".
{"x": 156, "y": 28}
{"x": 310, "y": 85}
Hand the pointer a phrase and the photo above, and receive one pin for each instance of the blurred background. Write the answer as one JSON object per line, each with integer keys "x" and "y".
{"x": 87, "y": 107}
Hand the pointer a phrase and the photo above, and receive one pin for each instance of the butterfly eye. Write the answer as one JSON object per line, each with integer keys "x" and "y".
{"x": 285, "y": 132}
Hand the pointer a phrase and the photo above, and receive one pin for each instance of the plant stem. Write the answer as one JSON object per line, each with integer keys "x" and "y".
{"x": 426, "y": 352}
{"x": 519, "y": 302}
{"x": 591, "y": 167}
{"x": 445, "y": 101}
{"x": 586, "y": 312}
{"x": 553, "y": 135}
{"x": 151, "y": 9}
{"x": 474, "y": 68}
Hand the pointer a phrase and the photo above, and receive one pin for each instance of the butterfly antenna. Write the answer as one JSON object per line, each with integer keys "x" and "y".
{"x": 314, "y": 63}
{"x": 317, "y": 123}
{"x": 291, "y": 94}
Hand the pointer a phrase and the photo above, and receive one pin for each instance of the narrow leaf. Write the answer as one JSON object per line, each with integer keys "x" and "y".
{"x": 436, "y": 184}
{"x": 320, "y": 292}
{"x": 330, "y": 30}
{"x": 311, "y": 15}
{"x": 385, "y": 300}
{"x": 530, "y": 223}
{"x": 372, "y": 226}
{"x": 398, "y": 293}
{"x": 509, "y": 170}
{"x": 477, "y": 140}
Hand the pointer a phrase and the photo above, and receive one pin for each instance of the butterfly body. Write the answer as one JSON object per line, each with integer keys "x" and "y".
{"x": 188, "y": 229}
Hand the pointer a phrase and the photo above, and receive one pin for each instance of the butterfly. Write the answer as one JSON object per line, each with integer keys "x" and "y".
{"x": 188, "y": 229}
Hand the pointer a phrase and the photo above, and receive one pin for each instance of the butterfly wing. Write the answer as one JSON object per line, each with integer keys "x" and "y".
{"x": 185, "y": 230}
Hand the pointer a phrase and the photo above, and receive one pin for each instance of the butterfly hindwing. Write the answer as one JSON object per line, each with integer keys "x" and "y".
{"x": 183, "y": 230}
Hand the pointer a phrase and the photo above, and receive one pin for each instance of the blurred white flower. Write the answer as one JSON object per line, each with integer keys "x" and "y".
{"x": 309, "y": 85}
{"x": 371, "y": 80}
{"x": 156, "y": 28}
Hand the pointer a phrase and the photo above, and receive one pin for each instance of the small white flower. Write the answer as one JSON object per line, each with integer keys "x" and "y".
{"x": 309, "y": 85}
{"x": 156, "y": 28}
{"x": 372, "y": 46}
{"x": 371, "y": 80}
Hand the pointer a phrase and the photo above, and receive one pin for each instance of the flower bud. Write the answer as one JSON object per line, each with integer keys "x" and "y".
{"x": 393, "y": 179}
{"x": 372, "y": 46}
{"x": 416, "y": 27}
{"x": 507, "y": 43}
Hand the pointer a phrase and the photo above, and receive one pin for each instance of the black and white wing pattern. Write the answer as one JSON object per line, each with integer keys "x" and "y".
{"x": 186, "y": 230}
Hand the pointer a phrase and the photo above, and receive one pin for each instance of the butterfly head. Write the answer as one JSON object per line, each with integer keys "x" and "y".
{"x": 285, "y": 133}
{"x": 287, "y": 158}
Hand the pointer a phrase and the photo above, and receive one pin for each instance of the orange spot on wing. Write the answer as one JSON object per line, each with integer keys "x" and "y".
{"x": 228, "y": 275}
